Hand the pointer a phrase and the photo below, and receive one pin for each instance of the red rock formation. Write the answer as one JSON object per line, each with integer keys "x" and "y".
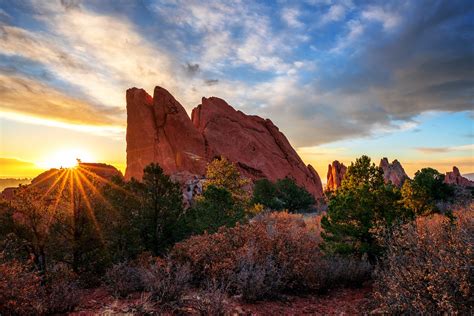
{"x": 101, "y": 169}
{"x": 454, "y": 177}
{"x": 336, "y": 172}
{"x": 393, "y": 172}
{"x": 159, "y": 130}
{"x": 254, "y": 144}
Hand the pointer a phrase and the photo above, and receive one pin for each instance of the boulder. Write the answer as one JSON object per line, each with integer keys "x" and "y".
{"x": 336, "y": 172}
{"x": 455, "y": 177}
{"x": 160, "y": 131}
{"x": 393, "y": 172}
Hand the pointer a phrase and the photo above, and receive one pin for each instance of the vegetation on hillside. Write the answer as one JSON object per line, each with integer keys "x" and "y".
{"x": 136, "y": 236}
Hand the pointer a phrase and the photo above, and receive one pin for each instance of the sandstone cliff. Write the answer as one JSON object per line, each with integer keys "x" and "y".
{"x": 455, "y": 177}
{"x": 393, "y": 172}
{"x": 159, "y": 130}
{"x": 336, "y": 172}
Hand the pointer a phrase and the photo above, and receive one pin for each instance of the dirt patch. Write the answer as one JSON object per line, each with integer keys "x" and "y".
{"x": 335, "y": 302}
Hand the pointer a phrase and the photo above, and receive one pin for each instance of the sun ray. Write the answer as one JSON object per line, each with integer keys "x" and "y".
{"x": 78, "y": 181}
{"x": 94, "y": 189}
{"x": 45, "y": 178}
{"x": 106, "y": 181}
{"x": 58, "y": 195}
{"x": 53, "y": 185}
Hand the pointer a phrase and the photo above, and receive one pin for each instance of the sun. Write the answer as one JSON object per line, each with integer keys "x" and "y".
{"x": 66, "y": 158}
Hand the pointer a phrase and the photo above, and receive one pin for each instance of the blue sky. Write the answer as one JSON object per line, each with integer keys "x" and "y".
{"x": 340, "y": 78}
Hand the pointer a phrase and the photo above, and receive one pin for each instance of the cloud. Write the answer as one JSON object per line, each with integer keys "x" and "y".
{"x": 232, "y": 34}
{"x": 30, "y": 97}
{"x": 335, "y": 13}
{"x": 290, "y": 16}
{"x": 378, "y": 14}
{"x": 436, "y": 150}
{"x": 354, "y": 30}
{"x": 211, "y": 82}
{"x": 11, "y": 167}
{"x": 70, "y": 4}
{"x": 191, "y": 69}
{"x": 375, "y": 69}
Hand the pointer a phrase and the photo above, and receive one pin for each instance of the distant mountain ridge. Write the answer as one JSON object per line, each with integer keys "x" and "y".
{"x": 470, "y": 176}
{"x": 13, "y": 182}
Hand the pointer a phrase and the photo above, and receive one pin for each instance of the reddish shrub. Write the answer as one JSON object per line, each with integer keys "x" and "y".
{"x": 123, "y": 279}
{"x": 273, "y": 252}
{"x": 166, "y": 280}
{"x": 20, "y": 289}
{"x": 428, "y": 267}
{"x": 61, "y": 290}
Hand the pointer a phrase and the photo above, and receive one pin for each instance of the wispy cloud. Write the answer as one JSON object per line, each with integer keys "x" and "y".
{"x": 291, "y": 17}
{"x": 336, "y": 12}
{"x": 437, "y": 150}
{"x": 389, "y": 20}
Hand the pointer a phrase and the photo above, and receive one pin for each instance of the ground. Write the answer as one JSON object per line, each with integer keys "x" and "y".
{"x": 336, "y": 302}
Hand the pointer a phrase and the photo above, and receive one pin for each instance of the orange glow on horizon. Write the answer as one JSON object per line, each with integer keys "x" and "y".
{"x": 66, "y": 158}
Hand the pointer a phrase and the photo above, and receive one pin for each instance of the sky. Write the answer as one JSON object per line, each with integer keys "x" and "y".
{"x": 339, "y": 78}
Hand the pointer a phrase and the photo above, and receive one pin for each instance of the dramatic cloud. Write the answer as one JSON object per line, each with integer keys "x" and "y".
{"x": 30, "y": 97}
{"x": 321, "y": 70}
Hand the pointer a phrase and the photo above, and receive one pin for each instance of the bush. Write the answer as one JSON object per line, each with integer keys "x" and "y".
{"x": 167, "y": 281}
{"x": 335, "y": 271}
{"x": 20, "y": 289}
{"x": 211, "y": 300}
{"x": 426, "y": 191}
{"x": 61, "y": 292}
{"x": 258, "y": 280}
{"x": 123, "y": 279}
{"x": 428, "y": 267}
{"x": 283, "y": 194}
{"x": 274, "y": 252}
{"x": 215, "y": 208}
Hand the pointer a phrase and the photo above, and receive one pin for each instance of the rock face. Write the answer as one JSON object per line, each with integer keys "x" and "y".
{"x": 393, "y": 172}
{"x": 160, "y": 131}
{"x": 455, "y": 177}
{"x": 336, "y": 172}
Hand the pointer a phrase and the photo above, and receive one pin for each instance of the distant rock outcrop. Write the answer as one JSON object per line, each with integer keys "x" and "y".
{"x": 159, "y": 130}
{"x": 336, "y": 172}
{"x": 455, "y": 177}
{"x": 393, "y": 172}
